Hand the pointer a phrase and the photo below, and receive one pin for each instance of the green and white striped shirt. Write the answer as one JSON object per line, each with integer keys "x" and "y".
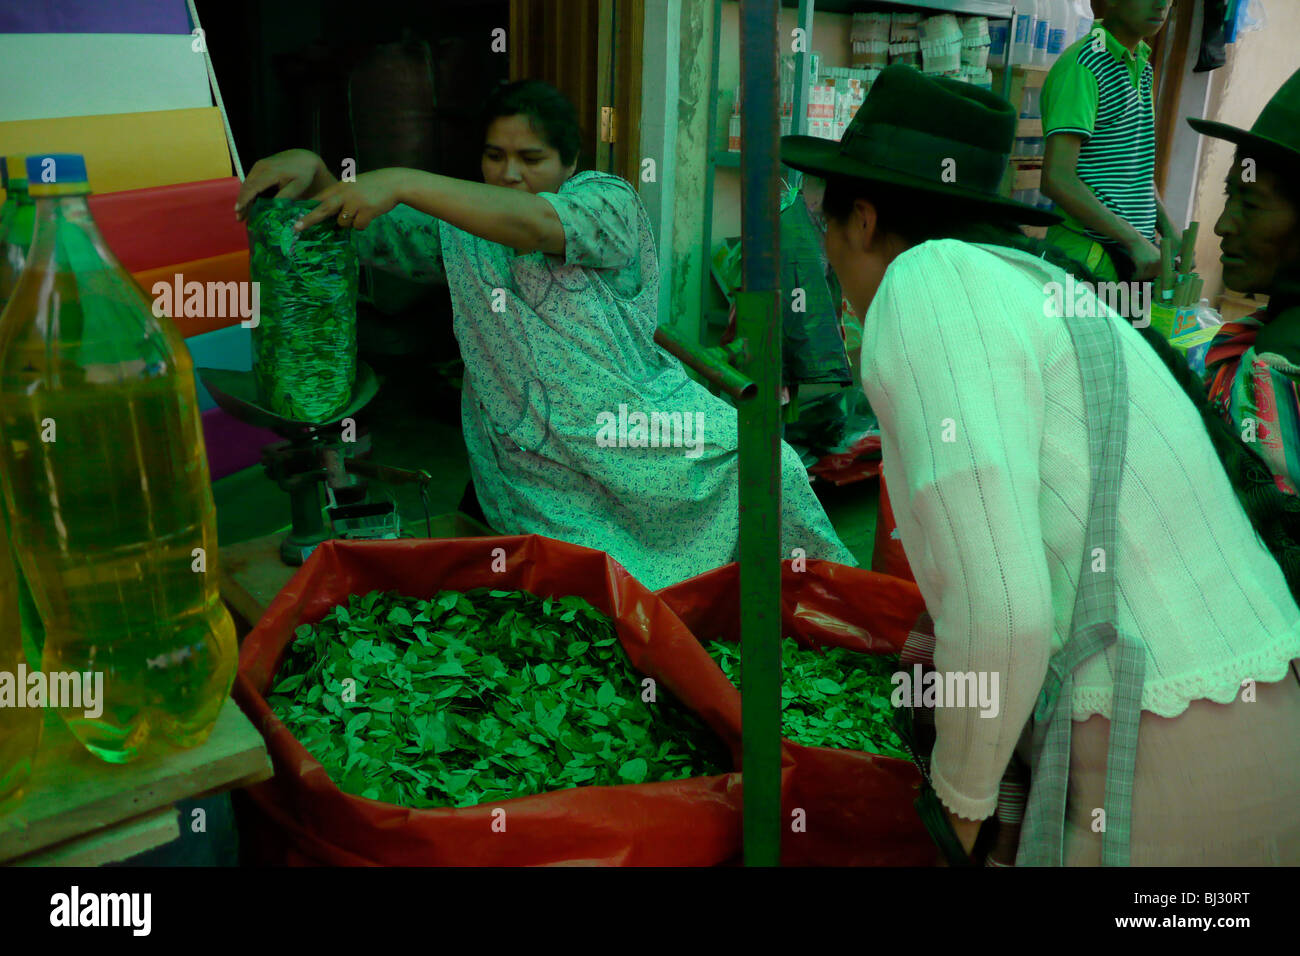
{"x": 1102, "y": 92}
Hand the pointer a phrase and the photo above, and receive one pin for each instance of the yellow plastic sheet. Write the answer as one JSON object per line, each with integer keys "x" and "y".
{"x": 131, "y": 150}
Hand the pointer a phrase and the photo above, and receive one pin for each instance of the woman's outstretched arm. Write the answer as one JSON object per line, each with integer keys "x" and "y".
{"x": 512, "y": 217}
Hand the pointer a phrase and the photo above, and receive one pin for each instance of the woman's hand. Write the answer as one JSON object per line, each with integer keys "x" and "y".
{"x": 354, "y": 204}
{"x": 294, "y": 171}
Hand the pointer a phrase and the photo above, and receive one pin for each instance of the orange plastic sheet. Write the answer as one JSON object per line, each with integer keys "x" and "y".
{"x": 301, "y": 817}
{"x": 858, "y": 807}
{"x": 231, "y": 267}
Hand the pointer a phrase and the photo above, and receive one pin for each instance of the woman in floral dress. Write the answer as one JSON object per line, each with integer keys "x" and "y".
{"x": 578, "y": 426}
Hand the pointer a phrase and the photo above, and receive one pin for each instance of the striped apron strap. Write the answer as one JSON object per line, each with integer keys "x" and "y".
{"x": 1092, "y": 627}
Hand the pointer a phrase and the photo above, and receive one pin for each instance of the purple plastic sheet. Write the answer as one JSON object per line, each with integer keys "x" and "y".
{"x": 95, "y": 16}
{"x": 232, "y": 445}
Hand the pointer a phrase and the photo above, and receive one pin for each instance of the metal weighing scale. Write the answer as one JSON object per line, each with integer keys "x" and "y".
{"x": 312, "y": 454}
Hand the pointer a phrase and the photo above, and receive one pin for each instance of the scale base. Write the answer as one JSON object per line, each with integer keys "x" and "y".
{"x": 295, "y": 548}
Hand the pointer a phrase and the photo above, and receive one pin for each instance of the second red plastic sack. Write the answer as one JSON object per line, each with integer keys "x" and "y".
{"x": 857, "y": 807}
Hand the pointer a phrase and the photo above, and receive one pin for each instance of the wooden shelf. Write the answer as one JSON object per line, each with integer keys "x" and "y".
{"x": 78, "y": 809}
{"x": 1029, "y": 177}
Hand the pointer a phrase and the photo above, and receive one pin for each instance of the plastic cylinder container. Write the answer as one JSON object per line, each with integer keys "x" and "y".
{"x": 107, "y": 485}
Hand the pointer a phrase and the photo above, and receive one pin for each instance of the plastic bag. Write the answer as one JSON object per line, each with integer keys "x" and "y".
{"x": 301, "y": 817}
{"x": 888, "y": 556}
{"x": 858, "y": 807}
{"x": 305, "y": 344}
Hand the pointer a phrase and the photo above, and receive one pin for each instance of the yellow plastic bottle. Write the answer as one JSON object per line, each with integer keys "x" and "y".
{"x": 17, "y": 222}
{"x": 107, "y": 484}
{"x": 20, "y": 725}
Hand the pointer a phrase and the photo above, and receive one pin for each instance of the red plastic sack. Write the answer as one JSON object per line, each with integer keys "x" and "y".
{"x": 694, "y": 822}
{"x": 858, "y": 807}
{"x": 887, "y": 554}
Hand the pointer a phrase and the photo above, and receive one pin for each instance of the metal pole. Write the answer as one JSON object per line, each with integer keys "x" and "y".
{"x": 1006, "y": 60}
{"x": 758, "y": 317}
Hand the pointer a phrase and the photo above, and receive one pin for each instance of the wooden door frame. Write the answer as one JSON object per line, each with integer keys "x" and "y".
{"x": 627, "y": 49}
{"x": 605, "y": 70}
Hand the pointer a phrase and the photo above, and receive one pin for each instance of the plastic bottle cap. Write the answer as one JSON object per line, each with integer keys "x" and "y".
{"x": 52, "y": 174}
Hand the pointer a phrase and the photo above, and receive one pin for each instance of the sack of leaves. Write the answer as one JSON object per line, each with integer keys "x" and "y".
{"x": 305, "y": 344}
{"x": 857, "y": 805}
{"x": 486, "y": 719}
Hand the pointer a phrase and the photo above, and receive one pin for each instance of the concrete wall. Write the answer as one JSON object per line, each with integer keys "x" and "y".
{"x": 686, "y": 258}
{"x": 1257, "y": 65}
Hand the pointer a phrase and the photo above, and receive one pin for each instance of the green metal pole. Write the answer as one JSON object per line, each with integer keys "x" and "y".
{"x": 758, "y": 319}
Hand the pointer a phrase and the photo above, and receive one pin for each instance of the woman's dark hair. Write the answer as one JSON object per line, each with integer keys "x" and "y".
{"x": 549, "y": 112}
{"x": 918, "y": 216}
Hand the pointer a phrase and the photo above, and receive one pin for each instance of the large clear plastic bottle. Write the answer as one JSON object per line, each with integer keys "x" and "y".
{"x": 17, "y": 223}
{"x": 20, "y": 726}
{"x": 108, "y": 484}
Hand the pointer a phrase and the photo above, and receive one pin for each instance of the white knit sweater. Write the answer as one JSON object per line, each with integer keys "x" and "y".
{"x": 992, "y": 521}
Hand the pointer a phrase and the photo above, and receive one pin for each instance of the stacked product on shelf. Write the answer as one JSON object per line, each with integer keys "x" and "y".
{"x": 849, "y": 87}
{"x": 1022, "y": 40}
{"x": 941, "y": 41}
{"x": 870, "y": 40}
{"x": 975, "y": 52}
{"x": 904, "y": 42}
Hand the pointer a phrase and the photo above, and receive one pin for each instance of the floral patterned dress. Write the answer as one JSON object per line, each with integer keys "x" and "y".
{"x": 578, "y": 426}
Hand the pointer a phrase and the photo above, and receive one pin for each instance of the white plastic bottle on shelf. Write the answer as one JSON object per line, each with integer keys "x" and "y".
{"x": 1061, "y": 32}
{"x": 1022, "y": 41}
{"x": 1082, "y": 18}
{"x": 1042, "y": 9}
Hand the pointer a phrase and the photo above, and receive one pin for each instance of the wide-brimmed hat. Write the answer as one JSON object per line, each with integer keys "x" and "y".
{"x": 928, "y": 134}
{"x": 1275, "y": 135}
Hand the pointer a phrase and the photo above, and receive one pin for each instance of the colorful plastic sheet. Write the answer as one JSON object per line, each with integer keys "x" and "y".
{"x": 95, "y": 16}
{"x": 131, "y": 150}
{"x": 164, "y": 225}
{"x": 49, "y": 75}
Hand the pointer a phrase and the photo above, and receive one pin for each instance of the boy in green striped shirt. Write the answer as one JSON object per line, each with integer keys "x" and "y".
{"x": 1099, "y": 164}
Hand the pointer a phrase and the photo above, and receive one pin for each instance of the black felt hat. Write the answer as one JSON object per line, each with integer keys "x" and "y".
{"x": 1275, "y": 135}
{"x": 919, "y": 132}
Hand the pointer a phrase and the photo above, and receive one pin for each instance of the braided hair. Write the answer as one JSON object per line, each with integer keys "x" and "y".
{"x": 917, "y": 217}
